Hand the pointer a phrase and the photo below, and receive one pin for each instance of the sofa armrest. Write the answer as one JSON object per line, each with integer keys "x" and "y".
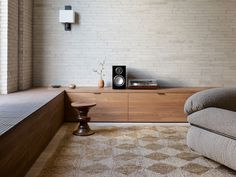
{"x": 224, "y": 98}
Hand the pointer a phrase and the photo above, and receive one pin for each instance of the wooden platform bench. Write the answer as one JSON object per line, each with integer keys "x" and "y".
{"x": 28, "y": 121}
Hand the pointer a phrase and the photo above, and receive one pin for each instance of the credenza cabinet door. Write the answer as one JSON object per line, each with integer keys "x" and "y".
{"x": 111, "y": 107}
{"x": 157, "y": 107}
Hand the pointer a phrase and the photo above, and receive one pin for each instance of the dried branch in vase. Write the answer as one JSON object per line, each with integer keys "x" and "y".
{"x": 100, "y": 70}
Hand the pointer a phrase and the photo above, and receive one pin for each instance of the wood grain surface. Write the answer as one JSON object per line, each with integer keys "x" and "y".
{"x": 110, "y": 107}
{"x": 154, "y": 107}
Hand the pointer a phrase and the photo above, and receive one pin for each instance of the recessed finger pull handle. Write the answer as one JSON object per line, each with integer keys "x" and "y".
{"x": 97, "y": 93}
{"x": 161, "y": 93}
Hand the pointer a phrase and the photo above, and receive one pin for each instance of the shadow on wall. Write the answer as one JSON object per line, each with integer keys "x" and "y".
{"x": 77, "y": 18}
{"x": 133, "y": 73}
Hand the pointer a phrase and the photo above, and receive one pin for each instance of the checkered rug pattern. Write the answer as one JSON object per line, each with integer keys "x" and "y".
{"x": 134, "y": 151}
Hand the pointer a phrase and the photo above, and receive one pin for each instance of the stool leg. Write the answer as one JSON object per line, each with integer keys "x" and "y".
{"x": 83, "y": 128}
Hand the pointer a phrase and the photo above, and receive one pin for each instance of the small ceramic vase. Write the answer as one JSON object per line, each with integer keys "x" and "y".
{"x": 101, "y": 83}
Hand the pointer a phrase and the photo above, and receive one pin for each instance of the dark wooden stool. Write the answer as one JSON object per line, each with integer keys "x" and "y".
{"x": 82, "y": 110}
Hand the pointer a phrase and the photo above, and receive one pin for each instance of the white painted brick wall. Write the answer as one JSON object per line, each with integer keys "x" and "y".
{"x": 180, "y": 43}
{"x": 3, "y": 46}
{"x": 12, "y": 61}
{"x": 25, "y": 44}
{"x": 16, "y": 45}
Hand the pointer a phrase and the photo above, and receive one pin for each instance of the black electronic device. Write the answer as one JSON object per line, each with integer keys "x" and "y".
{"x": 119, "y": 80}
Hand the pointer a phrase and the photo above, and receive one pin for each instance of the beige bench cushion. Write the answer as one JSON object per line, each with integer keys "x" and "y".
{"x": 15, "y": 107}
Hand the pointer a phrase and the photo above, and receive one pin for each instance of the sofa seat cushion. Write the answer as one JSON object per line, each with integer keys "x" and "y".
{"x": 216, "y": 147}
{"x": 217, "y": 120}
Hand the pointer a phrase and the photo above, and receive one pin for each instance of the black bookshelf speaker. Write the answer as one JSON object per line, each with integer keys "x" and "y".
{"x": 119, "y": 80}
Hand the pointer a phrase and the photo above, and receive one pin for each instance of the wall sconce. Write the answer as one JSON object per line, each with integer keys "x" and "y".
{"x": 67, "y": 17}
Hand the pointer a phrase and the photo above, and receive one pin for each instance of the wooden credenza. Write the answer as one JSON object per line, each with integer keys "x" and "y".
{"x": 161, "y": 105}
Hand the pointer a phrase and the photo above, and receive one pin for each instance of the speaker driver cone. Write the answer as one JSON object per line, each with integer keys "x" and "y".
{"x": 119, "y": 70}
{"x": 119, "y": 80}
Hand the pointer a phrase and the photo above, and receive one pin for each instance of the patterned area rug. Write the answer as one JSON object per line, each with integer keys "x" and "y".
{"x": 134, "y": 151}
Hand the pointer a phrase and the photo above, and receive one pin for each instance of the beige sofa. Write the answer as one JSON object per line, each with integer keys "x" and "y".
{"x": 212, "y": 114}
